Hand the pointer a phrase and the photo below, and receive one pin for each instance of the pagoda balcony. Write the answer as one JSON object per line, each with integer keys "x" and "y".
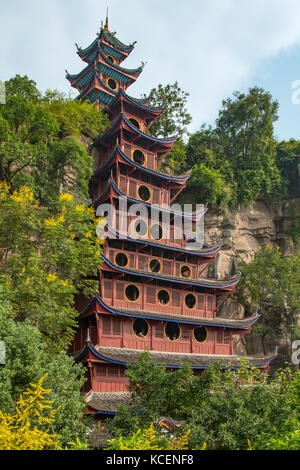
{"x": 154, "y": 264}
{"x": 151, "y": 298}
{"x": 143, "y": 191}
{"x": 139, "y": 155}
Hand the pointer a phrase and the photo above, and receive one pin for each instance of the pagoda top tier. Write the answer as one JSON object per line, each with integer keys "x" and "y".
{"x": 103, "y": 77}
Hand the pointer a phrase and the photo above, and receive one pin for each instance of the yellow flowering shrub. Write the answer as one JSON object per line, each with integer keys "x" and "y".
{"x": 23, "y": 195}
{"x": 21, "y": 430}
{"x": 66, "y": 197}
{"x": 150, "y": 439}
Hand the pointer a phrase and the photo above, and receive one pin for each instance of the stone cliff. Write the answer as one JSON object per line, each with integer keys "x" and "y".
{"x": 241, "y": 232}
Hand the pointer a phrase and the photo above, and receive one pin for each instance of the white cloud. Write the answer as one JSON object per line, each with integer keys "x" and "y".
{"x": 210, "y": 47}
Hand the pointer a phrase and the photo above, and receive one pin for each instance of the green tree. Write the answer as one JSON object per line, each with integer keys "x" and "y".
{"x": 27, "y": 360}
{"x": 46, "y": 259}
{"x": 271, "y": 284}
{"x": 175, "y": 117}
{"x": 288, "y": 161}
{"x": 241, "y": 146}
{"x": 224, "y": 409}
{"x": 44, "y": 140}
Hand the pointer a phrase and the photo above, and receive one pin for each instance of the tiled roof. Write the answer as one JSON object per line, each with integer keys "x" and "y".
{"x": 107, "y": 402}
{"x": 196, "y": 361}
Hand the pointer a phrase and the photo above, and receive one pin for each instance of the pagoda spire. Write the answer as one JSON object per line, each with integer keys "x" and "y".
{"x": 106, "y": 22}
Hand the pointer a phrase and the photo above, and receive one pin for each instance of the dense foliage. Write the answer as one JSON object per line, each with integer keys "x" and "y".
{"x": 24, "y": 430}
{"x": 49, "y": 251}
{"x": 223, "y": 410}
{"x": 42, "y": 140}
{"x": 175, "y": 117}
{"x": 271, "y": 284}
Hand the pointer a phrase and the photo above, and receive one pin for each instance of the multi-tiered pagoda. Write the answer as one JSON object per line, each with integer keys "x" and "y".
{"x": 153, "y": 293}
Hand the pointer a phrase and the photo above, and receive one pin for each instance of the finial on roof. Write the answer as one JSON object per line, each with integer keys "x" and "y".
{"x": 88, "y": 338}
{"x": 106, "y": 23}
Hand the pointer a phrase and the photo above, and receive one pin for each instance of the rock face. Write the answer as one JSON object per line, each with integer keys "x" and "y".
{"x": 240, "y": 233}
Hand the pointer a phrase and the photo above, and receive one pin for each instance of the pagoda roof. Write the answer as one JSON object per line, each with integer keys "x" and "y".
{"x": 226, "y": 285}
{"x": 107, "y": 402}
{"x": 141, "y": 103}
{"x": 91, "y": 88}
{"x": 207, "y": 251}
{"x": 111, "y": 185}
{"x": 173, "y": 360}
{"x": 123, "y": 121}
{"x": 118, "y": 152}
{"x": 115, "y": 42}
{"x": 113, "y": 70}
{"x": 232, "y": 323}
{"x": 116, "y": 47}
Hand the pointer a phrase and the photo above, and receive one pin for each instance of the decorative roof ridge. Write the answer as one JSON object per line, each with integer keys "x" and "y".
{"x": 117, "y": 148}
{"x": 76, "y": 77}
{"x": 122, "y": 117}
{"x": 136, "y": 71}
{"x": 136, "y": 101}
{"x": 171, "y": 353}
{"x": 170, "y": 140}
{"x": 115, "y": 42}
{"x": 207, "y": 283}
{"x": 213, "y": 248}
{"x": 182, "y": 358}
{"x": 175, "y": 318}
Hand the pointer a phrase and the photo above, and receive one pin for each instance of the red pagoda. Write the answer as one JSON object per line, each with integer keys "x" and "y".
{"x": 153, "y": 293}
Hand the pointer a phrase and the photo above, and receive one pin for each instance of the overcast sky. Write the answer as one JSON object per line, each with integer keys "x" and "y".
{"x": 211, "y": 47}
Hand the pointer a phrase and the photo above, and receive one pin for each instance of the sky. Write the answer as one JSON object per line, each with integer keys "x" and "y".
{"x": 211, "y": 47}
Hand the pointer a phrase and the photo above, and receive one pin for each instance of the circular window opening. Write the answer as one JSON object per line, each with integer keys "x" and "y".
{"x": 141, "y": 228}
{"x": 144, "y": 193}
{"x": 112, "y": 83}
{"x": 172, "y": 331}
{"x": 111, "y": 59}
{"x": 163, "y": 297}
{"x": 138, "y": 157}
{"x": 190, "y": 301}
{"x": 156, "y": 232}
{"x": 185, "y": 271}
{"x": 155, "y": 266}
{"x": 134, "y": 122}
{"x": 132, "y": 293}
{"x": 140, "y": 328}
{"x": 200, "y": 334}
{"x": 122, "y": 260}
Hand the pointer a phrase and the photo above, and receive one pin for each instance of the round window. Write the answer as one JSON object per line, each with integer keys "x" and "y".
{"x": 200, "y": 334}
{"x": 190, "y": 301}
{"x": 112, "y": 83}
{"x": 122, "y": 260}
{"x": 132, "y": 293}
{"x": 185, "y": 271}
{"x": 163, "y": 297}
{"x": 138, "y": 157}
{"x": 134, "y": 122}
{"x": 172, "y": 331}
{"x": 144, "y": 193}
{"x": 155, "y": 266}
{"x": 156, "y": 232}
{"x": 141, "y": 227}
{"x": 111, "y": 59}
{"x": 140, "y": 328}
